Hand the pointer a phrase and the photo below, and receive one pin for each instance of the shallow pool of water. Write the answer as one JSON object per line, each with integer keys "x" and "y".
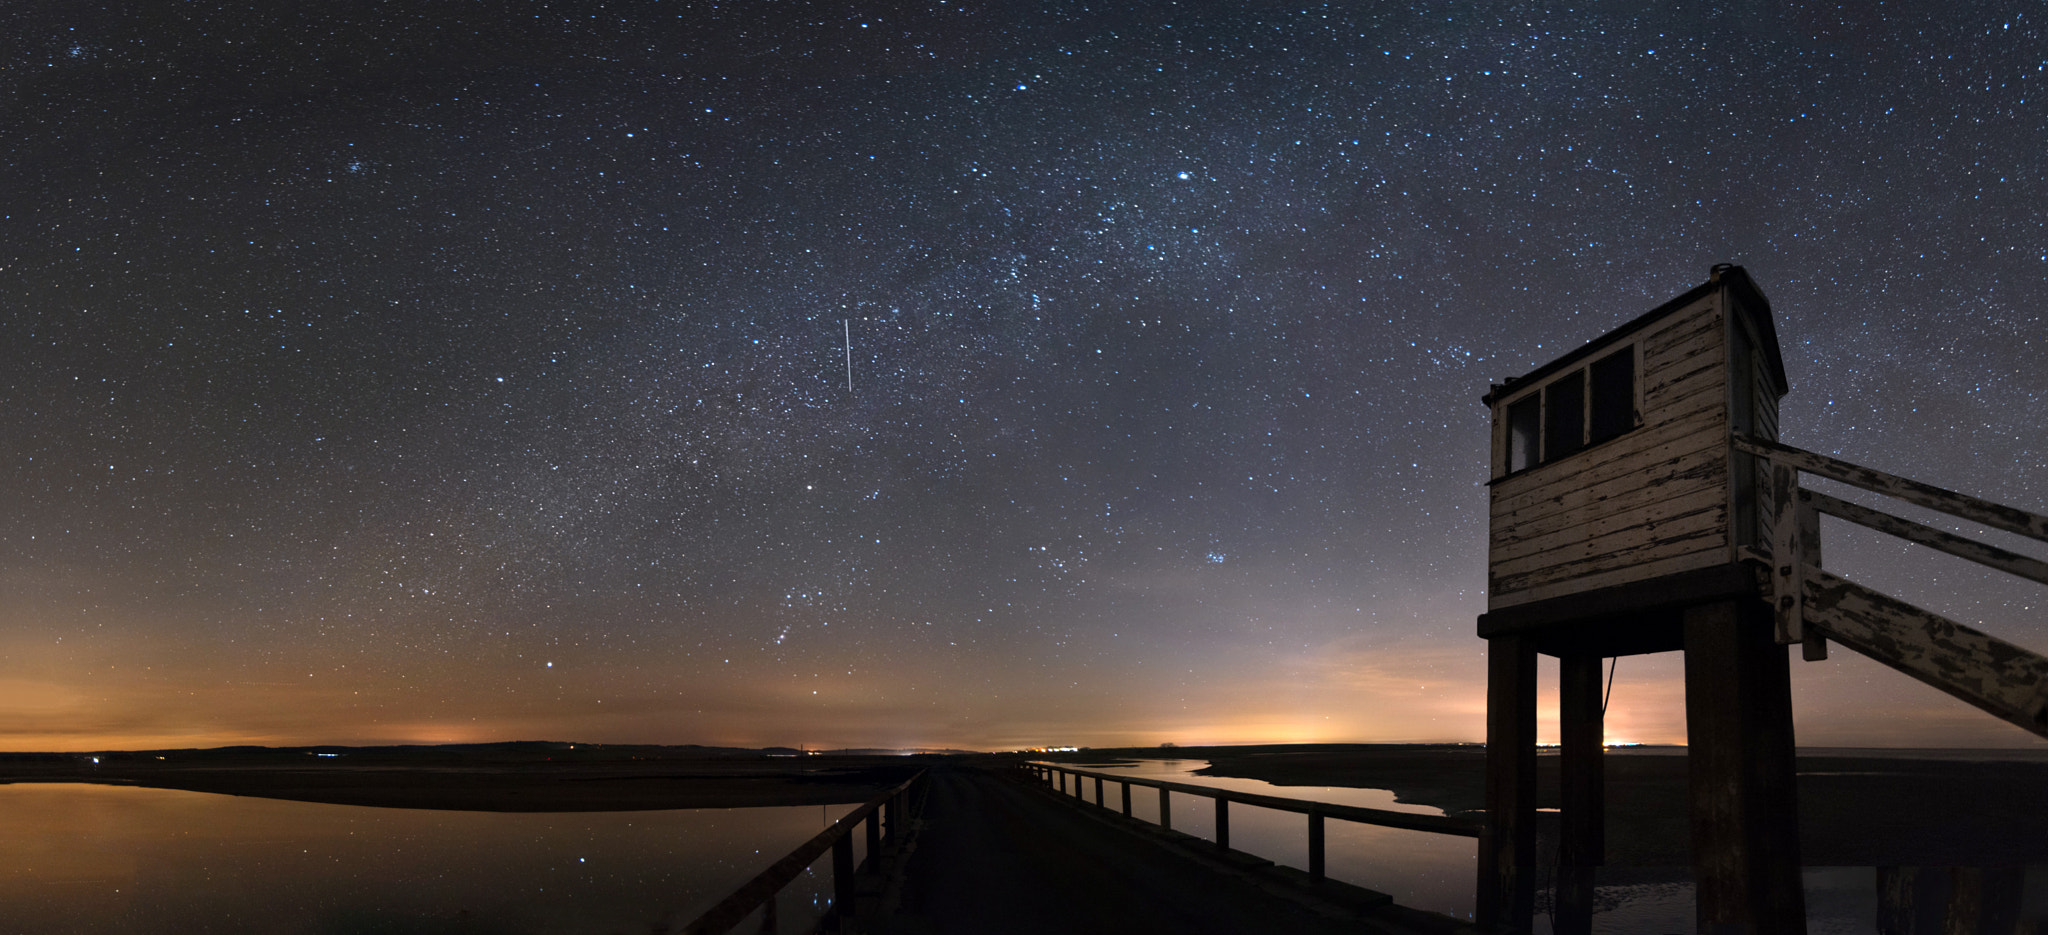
{"x": 82, "y": 858}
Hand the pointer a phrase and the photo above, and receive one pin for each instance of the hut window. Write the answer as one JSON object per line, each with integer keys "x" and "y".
{"x": 1564, "y": 416}
{"x": 1572, "y": 412}
{"x": 1614, "y": 395}
{"x": 1523, "y": 418}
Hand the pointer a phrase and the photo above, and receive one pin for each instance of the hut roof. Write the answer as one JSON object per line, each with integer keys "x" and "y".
{"x": 1752, "y": 302}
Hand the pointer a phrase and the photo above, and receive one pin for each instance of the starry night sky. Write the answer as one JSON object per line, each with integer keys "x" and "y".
{"x": 383, "y": 371}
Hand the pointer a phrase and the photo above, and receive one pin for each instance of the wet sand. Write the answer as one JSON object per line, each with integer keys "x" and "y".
{"x": 1856, "y": 807}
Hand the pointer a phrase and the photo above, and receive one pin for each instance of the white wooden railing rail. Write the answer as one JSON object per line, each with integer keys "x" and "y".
{"x": 1813, "y": 606}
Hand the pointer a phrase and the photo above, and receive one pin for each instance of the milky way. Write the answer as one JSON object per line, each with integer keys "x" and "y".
{"x": 442, "y": 371}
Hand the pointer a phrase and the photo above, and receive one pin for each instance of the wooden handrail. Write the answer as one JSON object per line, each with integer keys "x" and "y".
{"x": 766, "y": 884}
{"x": 1410, "y": 821}
{"x": 2007, "y": 681}
{"x": 1812, "y": 606}
{"x": 1991, "y": 556}
{"x": 1998, "y": 516}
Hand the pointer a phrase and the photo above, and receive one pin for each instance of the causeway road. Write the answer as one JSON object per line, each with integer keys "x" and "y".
{"x": 996, "y": 856}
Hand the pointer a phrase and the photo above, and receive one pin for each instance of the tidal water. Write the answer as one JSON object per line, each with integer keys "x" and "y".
{"x": 1438, "y": 872}
{"x": 80, "y": 858}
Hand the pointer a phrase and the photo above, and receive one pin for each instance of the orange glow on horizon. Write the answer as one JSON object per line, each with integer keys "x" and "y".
{"x": 1362, "y": 689}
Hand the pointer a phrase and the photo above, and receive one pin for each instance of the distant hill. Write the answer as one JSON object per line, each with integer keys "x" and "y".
{"x": 505, "y": 751}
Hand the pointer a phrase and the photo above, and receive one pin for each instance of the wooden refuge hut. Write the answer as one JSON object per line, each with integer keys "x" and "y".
{"x": 1620, "y": 520}
{"x": 1613, "y": 480}
{"x": 1642, "y": 502}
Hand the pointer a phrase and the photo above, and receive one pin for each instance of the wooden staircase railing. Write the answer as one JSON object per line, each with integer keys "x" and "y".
{"x": 1813, "y": 606}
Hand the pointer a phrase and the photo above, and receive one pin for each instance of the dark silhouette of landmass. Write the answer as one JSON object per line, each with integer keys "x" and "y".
{"x": 499, "y": 777}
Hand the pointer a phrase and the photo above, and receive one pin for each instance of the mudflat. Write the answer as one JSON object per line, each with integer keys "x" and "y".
{"x": 488, "y": 777}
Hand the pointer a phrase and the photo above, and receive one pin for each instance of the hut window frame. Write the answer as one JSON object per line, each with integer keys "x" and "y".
{"x": 1607, "y": 408}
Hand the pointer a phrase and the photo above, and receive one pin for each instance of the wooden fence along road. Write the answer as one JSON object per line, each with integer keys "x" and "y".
{"x": 993, "y": 852}
{"x": 883, "y": 816}
{"x": 1317, "y": 812}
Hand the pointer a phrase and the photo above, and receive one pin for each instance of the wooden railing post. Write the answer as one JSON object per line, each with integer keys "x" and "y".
{"x": 1788, "y": 554}
{"x": 1222, "y": 823}
{"x": 1814, "y": 647}
{"x": 875, "y": 838}
{"x": 1165, "y": 810}
{"x": 1127, "y": 800}
{"x": 896, "y": 819}
{"x": 842, "y": 881}
{"x": 1098, "y": 792}
{"x": 1315, "y": 846}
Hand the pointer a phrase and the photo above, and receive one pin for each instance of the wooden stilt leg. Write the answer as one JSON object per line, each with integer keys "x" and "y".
{"x": 1745, "y": 822}
{"x": 1583, "y": 787}
{"x": 1507, "y": 852}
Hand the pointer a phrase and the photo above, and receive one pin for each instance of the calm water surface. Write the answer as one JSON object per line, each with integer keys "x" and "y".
{"x": 94, "y": 859}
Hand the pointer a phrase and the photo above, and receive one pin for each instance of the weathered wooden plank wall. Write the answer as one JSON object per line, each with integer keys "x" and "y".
{"x": 1649, "y": 503}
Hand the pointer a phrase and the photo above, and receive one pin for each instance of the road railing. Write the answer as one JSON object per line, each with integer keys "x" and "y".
{"x": 1317, "y": 813}
{"x": 884, "y": 818}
